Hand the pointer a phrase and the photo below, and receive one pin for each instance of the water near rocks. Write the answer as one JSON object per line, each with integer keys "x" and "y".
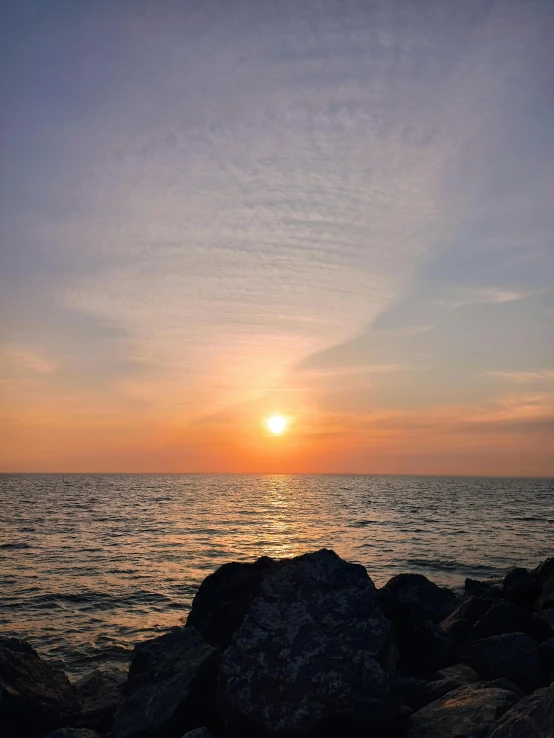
{"x": 90, "y": 564}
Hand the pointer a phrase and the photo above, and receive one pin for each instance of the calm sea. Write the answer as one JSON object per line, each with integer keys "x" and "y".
{"x": 89, "y": 564}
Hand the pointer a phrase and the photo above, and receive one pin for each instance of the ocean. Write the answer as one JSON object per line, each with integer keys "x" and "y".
{"x": 91, "y": 564}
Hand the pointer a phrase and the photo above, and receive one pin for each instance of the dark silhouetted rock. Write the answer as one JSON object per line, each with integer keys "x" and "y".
{"x": 459, "y": 623}
{"x": 466, "y": 712}
{"x": 425, "y": 648}
{"x": 502, "y": 683}
{"x": 100, "y": 693}
{"x": 314, "y": 652}
{"x": 171, "y": 688}
{"x": 73, "y": 733}
{"x": 546, "y": 569}
{"x": 546, "y": 599}
{"x": 532, "y": 717}
{"x": 223, "y": 599}
{"x": 546, "y": 658}
{"x": 34, "y": 698}
{"x": 545, "y": 617}
{"x": 198, "y": 733}
{"x": 505, "y": 617}
{"x": 522, "y": 587}
{"x": 416, "y": 693}
{"x": 514, "y": 656}
{"x": 474, "y": 588}
{"x": 412, "y": 598}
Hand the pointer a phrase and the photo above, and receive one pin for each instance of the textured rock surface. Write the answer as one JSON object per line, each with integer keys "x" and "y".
{"x": 314, "y": 651}
{"x": 514, "y": 656}
{"x": 532, "y": 717}
{"x": 198, "y": 733}
{"x": 413, "y": 598}
{"x": 546, "y": 600}
{"x": 34, "y": 698}
{"x": 459, "y": 623}
{"x": 171, "y": 689}
{"x": 223, "y": 599}
{"x": 466, "y": 712}
{"x": 505, "y": 617}
{"x": 100, "y": 693}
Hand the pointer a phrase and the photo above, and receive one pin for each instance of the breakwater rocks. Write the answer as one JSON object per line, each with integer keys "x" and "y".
{"x": 308, "y": 647}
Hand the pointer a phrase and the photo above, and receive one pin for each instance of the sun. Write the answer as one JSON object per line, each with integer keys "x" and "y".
{"x": 277, "y": 424}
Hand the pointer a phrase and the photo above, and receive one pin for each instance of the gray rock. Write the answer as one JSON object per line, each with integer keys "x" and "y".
{"x": 72, "y": 733}
{"x": 466, "y": 712}
{"x": 34, "y": 698}
{"x": 424, "y": 648}
{"x": 198, "y": 733}
{"x": 171, "y": 688}
{"x": 223, "y": 599}
{"x": 513, "y": 656}
{"x": 532, "y": 717}
{"x": 416, "y": 693}
{"x": 412, "y": 598}
{"x": 314, "y": 650}
{"x": 459, "y": 623}
{"x": 100, "y": 693}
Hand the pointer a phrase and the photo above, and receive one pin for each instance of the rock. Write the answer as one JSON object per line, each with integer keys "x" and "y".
{"x": 546, "y": 658}
{"x": 546, "y": 569}
{"x": 545, "y": 617}
{"x": 506, "y": 684}
{"x": 474, "y": 588}
{"x": 171, "y": 688}
{"x": 314, "y": 651}
{"x": 100, "y": 693}
{"x": 505, "y": 617}
{"x": 424, "y": 648}
{"x": 223, "y": 599}
{"x": 416, "y": 693}
{"x": 34, "y": 698}
{"x": 459, "y": 623}
{"x": 412, "y": 598}
{"x": 198, "y": 733}
{"x": 514, "y": 656}
{"x": 546, "y": 599}
{"x": 72, "y": 733}
{"x": 522, "y": 587}
{"x": 532, "y": 717}
{"x": 466, "y": 712}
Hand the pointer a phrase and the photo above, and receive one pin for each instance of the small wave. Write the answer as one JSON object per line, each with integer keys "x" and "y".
{"x": 10, "y": 546}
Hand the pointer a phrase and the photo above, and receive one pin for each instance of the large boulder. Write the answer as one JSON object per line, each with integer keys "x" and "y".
{"x": 522, "y": 587}
{"x": 171, "y": 689}
{"x": 514, "y": 656}
{"x": 314, "y": 653}
{"x": 505, "y": 617}
{"x": 546, "y": 569}
{"x": 465, "y": 712}
{"x": 532, "y": 717}
{"x": 416, "y": 693}
{"x": 546, "y": 658}
{"x": 459, "y": 623}
{"x": 546, "y": 599}
{"x": 223, "y": 599}
{"x": 100, "y": 693}
{"x": 412, "y": 598}
{"x": 34, "y": 698}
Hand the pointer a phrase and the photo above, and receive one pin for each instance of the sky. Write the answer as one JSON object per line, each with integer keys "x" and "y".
{"x": 338, "y": 211}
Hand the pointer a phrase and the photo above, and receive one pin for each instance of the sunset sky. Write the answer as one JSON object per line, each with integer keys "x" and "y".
{"x": 341, "y": 212}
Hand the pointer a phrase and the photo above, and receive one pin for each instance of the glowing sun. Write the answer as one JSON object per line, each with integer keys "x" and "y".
{"x": 276, "y": 424}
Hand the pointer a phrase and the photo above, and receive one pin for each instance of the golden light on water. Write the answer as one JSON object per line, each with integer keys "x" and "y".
{"x": 277, "y": 424}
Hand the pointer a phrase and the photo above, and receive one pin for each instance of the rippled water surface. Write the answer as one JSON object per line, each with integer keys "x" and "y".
{"x": 90, "y": 564}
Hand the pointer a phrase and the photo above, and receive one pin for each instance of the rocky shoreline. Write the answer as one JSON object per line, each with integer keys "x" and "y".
{"x": 309, "y": 647}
